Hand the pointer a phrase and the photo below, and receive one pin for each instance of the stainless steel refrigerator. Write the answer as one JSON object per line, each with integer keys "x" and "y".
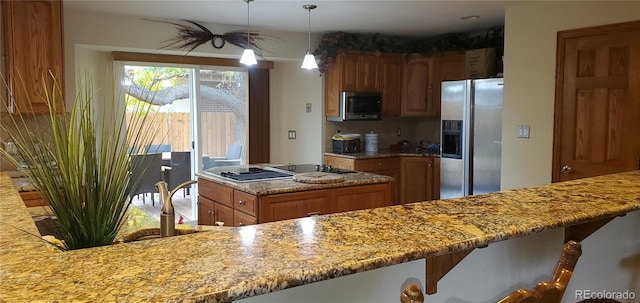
{"x": 471, "y": 137}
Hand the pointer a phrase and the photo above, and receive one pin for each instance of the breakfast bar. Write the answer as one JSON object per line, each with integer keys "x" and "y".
{"x": 231, "y": 263}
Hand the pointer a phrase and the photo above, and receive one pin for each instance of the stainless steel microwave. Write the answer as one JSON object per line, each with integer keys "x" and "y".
{"x": 359, "y": 106}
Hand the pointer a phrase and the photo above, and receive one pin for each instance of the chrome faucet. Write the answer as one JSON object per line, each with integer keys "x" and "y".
{"x": 168, "y": 216}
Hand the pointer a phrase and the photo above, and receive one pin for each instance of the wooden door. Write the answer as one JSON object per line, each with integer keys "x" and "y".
{"x": 417, "y": 81}
{"x": 350, "y": 72}
{"x": 206, "y": 210}
{"x": 417, "y": 183}
{"x": 368, "y": 73}
{"x": 33, "y": 44}
{"x": 445, "y": 68}
{"x": 223, "y": 214}
{"x": 390, "y": 67}
{"x": 597, "y": 108}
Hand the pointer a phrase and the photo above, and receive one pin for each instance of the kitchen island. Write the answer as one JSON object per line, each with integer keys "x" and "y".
{"x": 227, "y": 264}
{"x": 225, "y": 201}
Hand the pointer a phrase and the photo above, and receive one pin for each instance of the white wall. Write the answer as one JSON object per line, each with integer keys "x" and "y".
{"x": 291, "y": 88}
{"x": 529, "y": 78}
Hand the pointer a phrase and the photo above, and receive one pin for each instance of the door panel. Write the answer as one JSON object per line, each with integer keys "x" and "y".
{"x": 597, "y": 102}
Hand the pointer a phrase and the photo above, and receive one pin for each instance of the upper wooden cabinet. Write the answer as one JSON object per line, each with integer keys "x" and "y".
{"x": 390, "y": 69}
{"x": 423, "y": 76}
{"x": 417, "y": 99}
{"x": 410, "y": 87}
{"x": 351, "y": 72}
{"x": 445, "y": 68}
{"x": 361, "y": 72}
{"x": 33, "y": 48}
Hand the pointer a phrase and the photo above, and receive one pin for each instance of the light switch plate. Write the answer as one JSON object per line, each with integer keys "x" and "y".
{"x": 292, "y": 134}
{"x": 523, "y": 131}
{"x": 308, "y": 107}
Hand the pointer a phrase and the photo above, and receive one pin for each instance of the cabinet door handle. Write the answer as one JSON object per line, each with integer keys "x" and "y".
{"x": 240, "y": 224}
{"x": 313, "y": 213}
{"x": 241, "y": 202}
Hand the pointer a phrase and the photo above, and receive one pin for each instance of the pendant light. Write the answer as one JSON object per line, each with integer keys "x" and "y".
{"x": 309, "y": 61}
{"x": 248, "y": 57}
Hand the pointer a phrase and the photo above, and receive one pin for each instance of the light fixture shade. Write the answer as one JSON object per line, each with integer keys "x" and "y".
{"x": 309, "y": 61}
{"x": 248, "y": 57}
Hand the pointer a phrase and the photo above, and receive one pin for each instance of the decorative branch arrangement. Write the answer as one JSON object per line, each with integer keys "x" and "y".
{"x": 189, "y": 37}
{"x": 332, "y": 43}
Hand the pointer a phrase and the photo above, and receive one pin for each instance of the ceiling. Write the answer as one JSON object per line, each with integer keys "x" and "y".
{"x": 396, "y": 17}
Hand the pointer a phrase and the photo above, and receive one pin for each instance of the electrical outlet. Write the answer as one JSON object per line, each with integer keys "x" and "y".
{"x": 308, "y": 108}
{"x": 398, "y": 132}
{"x": 292, "y": 134}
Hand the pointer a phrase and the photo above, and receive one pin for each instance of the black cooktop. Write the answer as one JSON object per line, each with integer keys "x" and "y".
{"x": 307, "y": 168}
{"x": 254, "y": 174}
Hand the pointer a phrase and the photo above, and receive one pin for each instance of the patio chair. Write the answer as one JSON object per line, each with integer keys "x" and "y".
{"x": 234, "y": 152}
{"x": 145, "y": 172}
{"x": 179, "y": 171}
{"x": 158, "y": 148}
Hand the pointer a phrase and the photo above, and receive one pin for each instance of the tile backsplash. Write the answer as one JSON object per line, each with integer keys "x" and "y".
{"x": 39, "y": 123}
{"x": 412, "y": 129}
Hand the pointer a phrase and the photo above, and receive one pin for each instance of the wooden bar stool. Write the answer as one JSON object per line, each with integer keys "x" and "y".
{"x": 552, "y": 291}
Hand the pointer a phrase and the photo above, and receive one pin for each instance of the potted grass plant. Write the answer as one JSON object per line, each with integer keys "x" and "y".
{"x": 81, "y": 166}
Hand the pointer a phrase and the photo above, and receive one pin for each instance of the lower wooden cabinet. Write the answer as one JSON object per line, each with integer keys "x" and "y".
{"x": 360, "y": 197}
{"x": 416, "y": 178}
{"x": 389, "y": 166}
{"x": 210, "y": 212}
{"x": 294, "y": 205}
{"x": 219, "y": 203}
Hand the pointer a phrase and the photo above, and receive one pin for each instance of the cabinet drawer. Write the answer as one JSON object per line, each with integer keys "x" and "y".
{"x": 245, "y": 202}
{"x": 215, "y": 192}
{"x": 242, "y": 219}
{"x": 377, "y": 164}
{"x": 339, "y": 162}
{"x": 33, "y": 198}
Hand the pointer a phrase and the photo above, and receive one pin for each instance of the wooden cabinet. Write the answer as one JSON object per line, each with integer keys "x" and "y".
{"x": 219, "y": 203}
{"x": 33, "y": 198}
{"x": 418, "y": 179}
{"x": 423, "y": 76}
{"x": 359, "y": 72}
{"x": 390, "y": 67}
{"x": 389, "y": 166}
{"x": 352, "y": 71}
{"x": 210, "y": 212}
{"x": 33, "y": 48}
{"x": 445, "y": 68}
{"x": 294, "y": 205}
{"x": 417, "y": 99}
{"x": 360, "y": 197}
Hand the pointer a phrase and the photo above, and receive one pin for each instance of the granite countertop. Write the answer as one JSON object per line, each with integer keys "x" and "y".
{"x": 271, "y": 187}
{"x": 385, "y": 153}
{"x": 231, "y": 263}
